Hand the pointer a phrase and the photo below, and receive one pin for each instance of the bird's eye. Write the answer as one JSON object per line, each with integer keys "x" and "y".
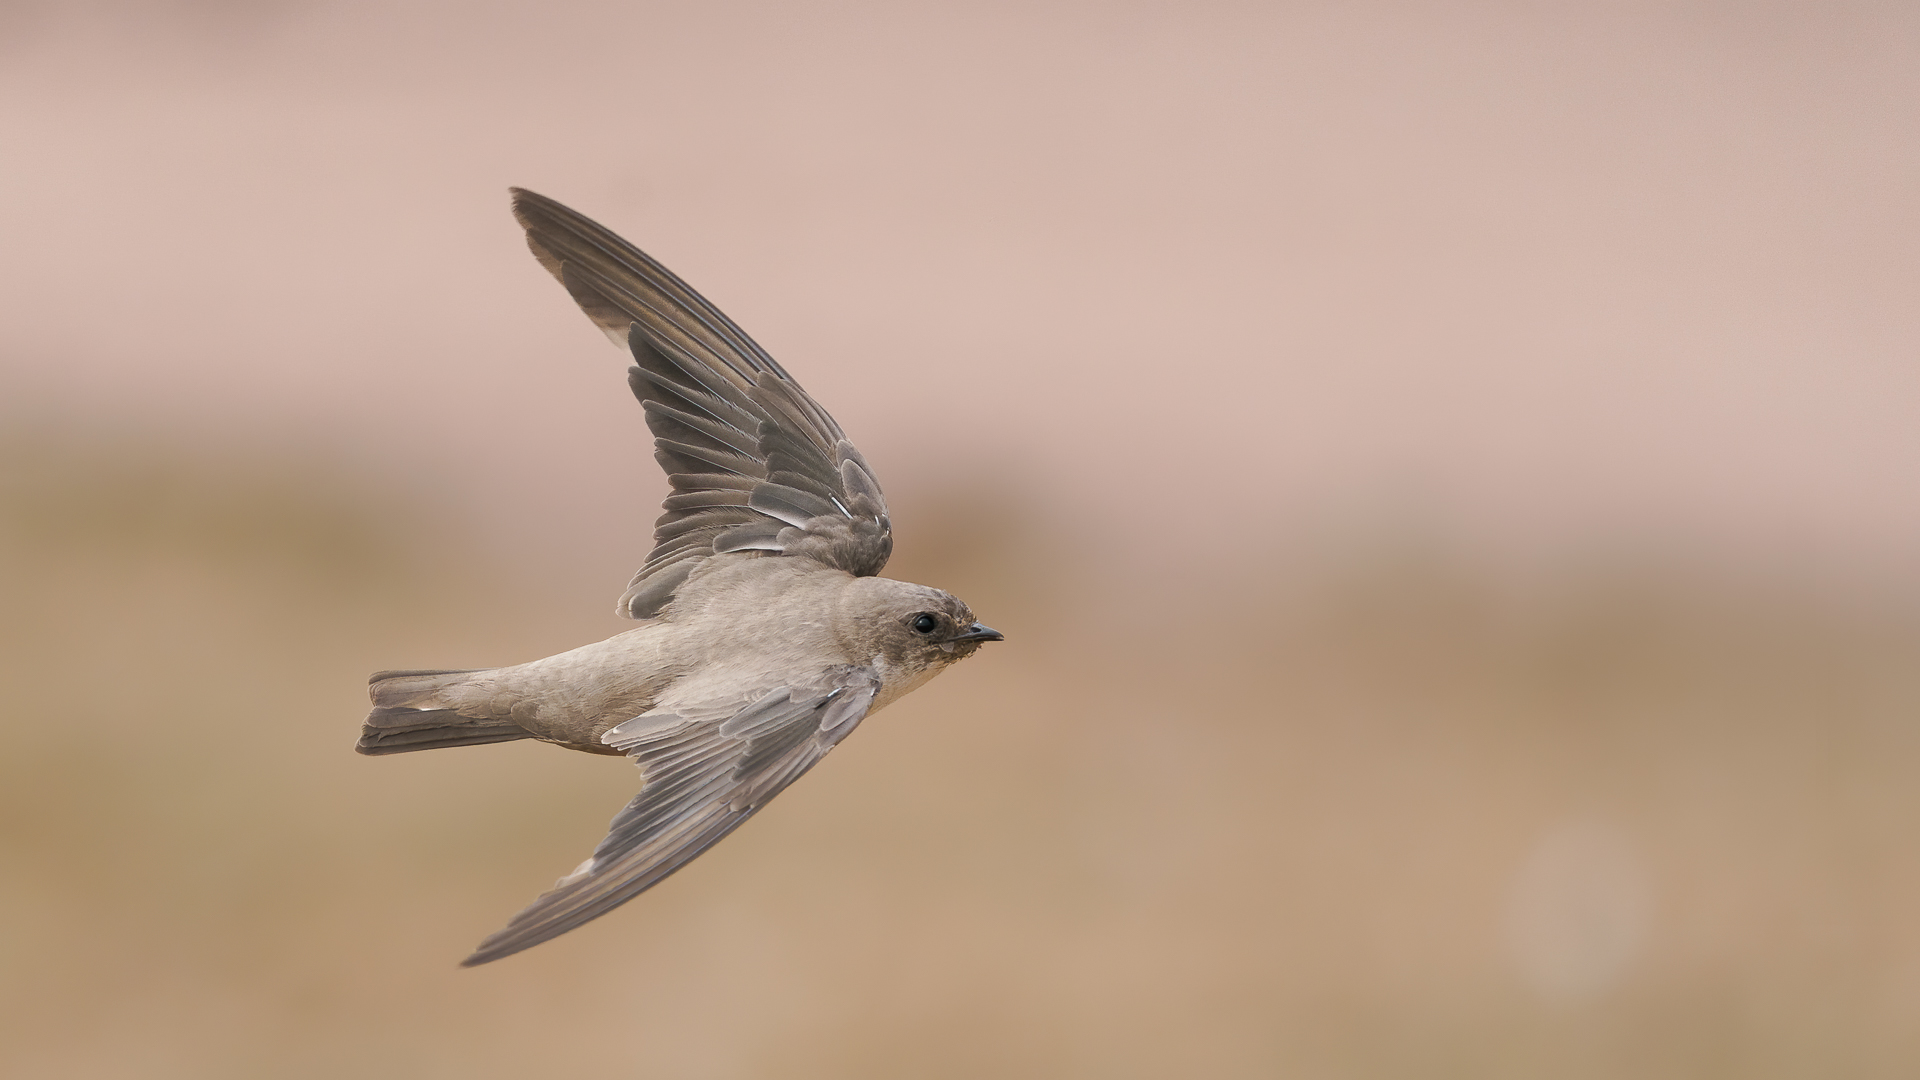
{"x": 925, "y": 624}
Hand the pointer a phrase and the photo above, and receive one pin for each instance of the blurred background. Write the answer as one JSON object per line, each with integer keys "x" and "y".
{"x": 1447, "y": 473}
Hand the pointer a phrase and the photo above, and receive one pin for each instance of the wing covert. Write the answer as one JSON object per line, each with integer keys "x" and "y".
{"x": 755, "y": 464}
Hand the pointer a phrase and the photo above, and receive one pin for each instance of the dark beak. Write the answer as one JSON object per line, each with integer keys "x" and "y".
{"x": 981, "y": 632}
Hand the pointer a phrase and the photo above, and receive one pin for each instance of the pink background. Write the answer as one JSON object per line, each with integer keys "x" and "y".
{"x": 1415, "y": 451}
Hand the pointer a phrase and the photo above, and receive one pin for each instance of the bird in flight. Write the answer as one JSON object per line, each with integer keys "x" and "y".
{"x": 765, "y": 631}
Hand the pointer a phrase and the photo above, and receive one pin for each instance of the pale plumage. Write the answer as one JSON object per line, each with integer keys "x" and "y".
{"x": 765, "y": 636}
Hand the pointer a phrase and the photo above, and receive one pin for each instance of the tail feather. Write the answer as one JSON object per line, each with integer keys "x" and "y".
{"x": 397, "y": 731}
{"x": 408, "y": 716}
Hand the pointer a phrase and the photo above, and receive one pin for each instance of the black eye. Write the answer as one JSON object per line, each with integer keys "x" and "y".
{"x": 925, "y": 623}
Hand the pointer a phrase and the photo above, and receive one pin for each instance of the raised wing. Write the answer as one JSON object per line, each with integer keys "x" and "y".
{"x": 703, "y": 777}
{"x": 755, "y": 463}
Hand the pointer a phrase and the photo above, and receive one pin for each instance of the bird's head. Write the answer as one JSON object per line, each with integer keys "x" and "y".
{"x": 913, "y": 629}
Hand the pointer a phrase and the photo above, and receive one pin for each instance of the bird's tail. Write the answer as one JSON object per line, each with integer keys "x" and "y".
{"x": 410, "y": 712}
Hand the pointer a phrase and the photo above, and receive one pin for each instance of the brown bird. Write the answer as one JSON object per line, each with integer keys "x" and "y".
{"x": 765, "y": 635}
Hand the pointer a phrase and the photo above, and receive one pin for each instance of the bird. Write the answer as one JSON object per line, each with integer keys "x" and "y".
{"x": 765, "y": 634}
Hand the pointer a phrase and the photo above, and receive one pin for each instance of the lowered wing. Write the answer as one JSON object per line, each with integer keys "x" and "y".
{"x": 702, "y": 779}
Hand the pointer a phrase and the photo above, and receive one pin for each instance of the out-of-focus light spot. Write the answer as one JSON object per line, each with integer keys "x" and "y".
{"x": 1577, "y": 911}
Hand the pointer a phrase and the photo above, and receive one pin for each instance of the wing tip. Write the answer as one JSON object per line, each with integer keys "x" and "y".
{"x": 501, "y": 945}
{"x": 520, "y": 199}
{"x": 486, "y": 953}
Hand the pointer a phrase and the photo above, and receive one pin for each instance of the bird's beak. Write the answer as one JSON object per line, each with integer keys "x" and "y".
{"x": 981, "y": 632}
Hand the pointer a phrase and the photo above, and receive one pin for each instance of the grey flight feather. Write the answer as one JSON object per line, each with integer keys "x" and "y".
{"x": 756, "y": 465}
{"x": 702, "y": 779}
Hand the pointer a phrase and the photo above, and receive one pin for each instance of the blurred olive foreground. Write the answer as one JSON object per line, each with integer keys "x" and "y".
{"x": 1376, "y": 818}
